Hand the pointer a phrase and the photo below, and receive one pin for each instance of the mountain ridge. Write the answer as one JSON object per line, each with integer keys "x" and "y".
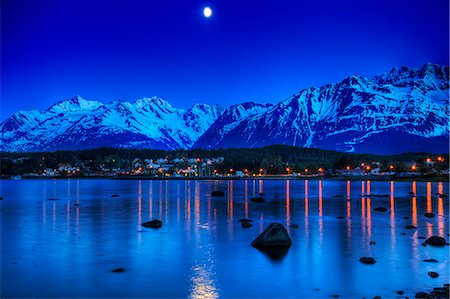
{"x": 352, "y": 115}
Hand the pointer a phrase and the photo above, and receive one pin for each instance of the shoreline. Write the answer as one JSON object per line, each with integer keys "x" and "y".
{"x": 234, "y": 178}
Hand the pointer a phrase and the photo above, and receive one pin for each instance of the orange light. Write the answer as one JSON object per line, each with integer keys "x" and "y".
{"x": 306, "y": 169}
{"x": 363, "y": 164}
{"x": 368, "y": 167}
{"x": 391, "y": 167}
{"x": 428, "y": 160}
{"x": 231, "y": 169}
{"x": 320, "y": 169}
{"x": 413, "y": 167}
{"x": 287, "y": 169}
{"x": 198, "y": 159}
{"x": 348, "y": 167}
{"x": 260, "y": 170}
{"x": 440, "y": 159}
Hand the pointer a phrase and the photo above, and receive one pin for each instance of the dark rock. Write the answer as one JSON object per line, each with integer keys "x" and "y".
{"x": 436, "y": 241}
{"x": 153, "y": 224}
{"x": 52, "y": 199}
{"x": 406, "y": 217}
{"x": 338, "y": 196}
{"x": 257, "y": 199}
{"x": 410, "y": 227}
{"x": 400, "y": 292}
{"x": 367, "y": 260}
{"x": 245, "y": 220}
{"x": 411, "y": 193}
{"x": 217, "y": 193}
{"x": 274, "y": 240}
{"x": 372, "y": 242}
{"x": 429, "y": 215}
{"x": 431, "y": 261}
{"x": 76, "y": 204}
{"x": 443, "y": 195}
{"x": 423, "y": 238}
{"x": 380, "y": 209}
{"x": 377, "y": 297}
{"x": 262, "y": 193}
{"x": 403, "y": 233}
{"x": 294, "y": 225}
{"x": 340, "y": 217}
{"x": 118, "y": 270}
{"x": 424, "y": 244}
{"x": 433, "y": 274}
{"x": 335, "y": 296}
{"x": 246, "y": 224}
{"x": 421, "y": 295}
{"x": 115, "y": 195}
{"x": 379, "y": 195}
{"x": 438, "y": 194}
{"x": 1, "y": 197}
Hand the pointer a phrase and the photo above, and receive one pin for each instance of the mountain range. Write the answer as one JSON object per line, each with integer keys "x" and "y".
{"x": 401, "y": 110}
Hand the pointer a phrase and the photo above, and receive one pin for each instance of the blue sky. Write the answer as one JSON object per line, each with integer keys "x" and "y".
{"x": 248, "y": 50}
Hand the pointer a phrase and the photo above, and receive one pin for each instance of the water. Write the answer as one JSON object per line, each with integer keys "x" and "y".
{"x": 53, "y": 248}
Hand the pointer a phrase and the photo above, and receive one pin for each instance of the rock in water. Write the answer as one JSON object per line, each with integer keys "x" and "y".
{"x": 153, "y": 224}
{"x": 118, "y": 270}
{"x": 431, "y": 261}
{"x": 433, "y": 274}
{"x": 115, "y": 195}
{"x": 380, "y": 209}
{"x": 367, "y": 260}
{"x": 410, "y": 227}
{"x": 294, "y": 225}
{"x": 274, "y": 240}
{"x": 246, "y": 224}
{"x": 436, "y": 241}
{"x": 429, "y": 215}
{"x": 257, "y": 199}
{"x": 217, "y": 193}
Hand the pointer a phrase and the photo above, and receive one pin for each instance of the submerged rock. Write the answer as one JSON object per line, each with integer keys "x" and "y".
{"x": 367, "y": 260}
{"x": 433, "y": 274}
{"x": 411, "y": 193}
{"x": 1, "y": 197}
{"x": 436, "y": 241}
{"x": 380, "y": 209}
{"x": 274, "y": 240}
{"x": 246, "y": 224}
{"x": 217, "y": 193}
{"x": 257, "y": 199}
{"x": 421, "y": 295}
{"x": 118, "y": 270}
{"x": 115, "y": 195}
{"x": 262, "y": 193}
{"x": 410, "y": 227}
{"x": 372, "y": 242}
{"x": 431, "y": 261}
{"x": 52, "y": 199}
{"x": 400, "y": 292}
{"x": 429, "y": 215}
{"x": 294, "y": 225}
{"x": 245, "y": 220}
{"x": 406, "y": 217}
{"x": 340, "y": 217}
{"x": 153, "y": 224}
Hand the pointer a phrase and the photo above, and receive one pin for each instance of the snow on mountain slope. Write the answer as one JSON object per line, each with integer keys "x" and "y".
{"x": 403, "y": 109}
{"x": 77, "y": 123}
{"x": 353, "y": 115}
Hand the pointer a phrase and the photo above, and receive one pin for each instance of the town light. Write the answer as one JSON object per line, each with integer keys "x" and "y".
{"x": 368, "y": 167}
{"x": 306, "y": 169}
{"x": 321, "y": 169}
{"x": 348, "y": 167}
{"x": 428, "y": 160}
{"x": 413, "y": 167}
{"x": 231, "y": 169}
{"x": 391, "y": 167}
{"x": 440, "y": 159}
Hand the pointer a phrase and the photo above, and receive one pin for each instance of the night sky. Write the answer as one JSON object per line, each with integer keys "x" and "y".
{"x": 247, "y": 50}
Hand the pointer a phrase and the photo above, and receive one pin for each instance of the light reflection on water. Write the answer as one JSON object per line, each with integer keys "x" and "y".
{"x": 202, "y": 238}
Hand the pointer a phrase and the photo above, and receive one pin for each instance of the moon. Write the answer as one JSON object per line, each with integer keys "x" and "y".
{"x": 207, "y": 11}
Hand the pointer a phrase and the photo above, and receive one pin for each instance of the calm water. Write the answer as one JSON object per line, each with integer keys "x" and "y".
{"x": 53, "y": 248}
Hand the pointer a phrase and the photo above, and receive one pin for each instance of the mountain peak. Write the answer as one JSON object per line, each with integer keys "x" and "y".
{"x": 76, "y": 103}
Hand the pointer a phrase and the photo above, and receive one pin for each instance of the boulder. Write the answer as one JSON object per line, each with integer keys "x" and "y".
{"x": 400, "y": 292}
{"x": 1, "y": 197}
{"x": 367, "y": 260}
{"x": 429, "y": 215}
{"x": 380, "y": 209}
{"x": 153, "y": 224}
{"x": 411, "y": 193}
{"x": 294, "y": 225}
{"x": 115, "y": 195}
{"x": 257, "y": 199}
{"x": 217, "y": 193}
{"x": 421, "y": 295}
{"x": 340, "y": 217}
{"x": 274, "y": 240}
{"x": 436, "y": 241}
{"x": 262, "y": 193}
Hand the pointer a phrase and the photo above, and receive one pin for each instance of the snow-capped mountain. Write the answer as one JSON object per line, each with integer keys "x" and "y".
{"x": 79, "y": 124}
{"x": 403, "y": 109}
